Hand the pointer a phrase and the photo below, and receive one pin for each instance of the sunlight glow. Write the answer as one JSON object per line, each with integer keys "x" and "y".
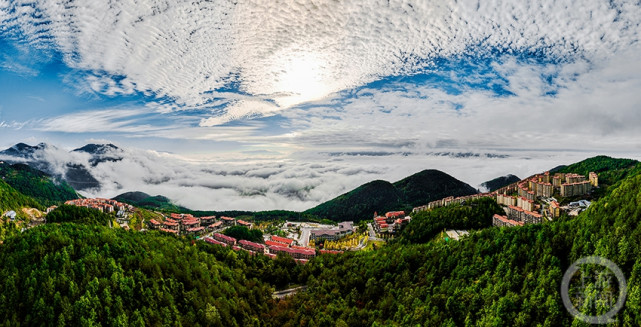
{"x": 301, "y": 78}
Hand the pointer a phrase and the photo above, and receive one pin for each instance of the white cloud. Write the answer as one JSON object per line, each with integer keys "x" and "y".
{"x": 292, "y": 52}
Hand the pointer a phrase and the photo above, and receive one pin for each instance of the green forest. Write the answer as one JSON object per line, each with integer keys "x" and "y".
{"x": 79, "y": 272}
{"x": 36, "y": 184}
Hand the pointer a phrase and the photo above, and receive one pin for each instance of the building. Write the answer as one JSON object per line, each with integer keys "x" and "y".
{"x": 503, "y": 221}
{"x": 284, "y": 240}
{"x": 195, "y": 231}
{"x": 224, "y": 238}
{"x": 214, "y": 241}
{"x": 577, "y": 188}
{"x": 216, "y": 225}
{"x": 506, "y": 200}
{"x": 172, "y": 225}
{"x": 554, "y": 209}
{"x": 344, "y": 228}
{"x": 227, "y": 221}
{"x": 525, "y": 204}
{"x": 594, "y": 179}
{"x": 294, "y": 253}
{"x": 252, "y": 246}
{"x": 244, "y": 223}
{"x": 154, "y": 224}
{"x": 206, "y": 221}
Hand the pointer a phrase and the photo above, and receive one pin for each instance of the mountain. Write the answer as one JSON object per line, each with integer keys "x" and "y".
{"x": 36, "y": 184}
{"x": 144, "y": 200}
{"x": 76, "y": 174}
{"x": 360, "y": 203}
{"x": 381, "y": 196}
{"x": 497, "y": 183}
{"x": 102, "y": 153}
{"x": 429, "y": 185}
{"x": 22, "y": 150}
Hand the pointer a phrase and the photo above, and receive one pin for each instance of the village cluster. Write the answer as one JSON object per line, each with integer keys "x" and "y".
{"x": 531, "y": 200}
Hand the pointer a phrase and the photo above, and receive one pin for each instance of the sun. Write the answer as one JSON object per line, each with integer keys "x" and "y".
{"x": 301, "y": 78}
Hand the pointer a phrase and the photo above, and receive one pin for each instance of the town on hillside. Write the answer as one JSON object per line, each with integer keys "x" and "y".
{"x": 529, "y": 201}
{"x": 532, "y": 200}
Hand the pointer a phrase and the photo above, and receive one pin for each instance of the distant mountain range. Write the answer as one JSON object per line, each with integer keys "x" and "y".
{"x": 381, "y": 196}
{"x": 77, "y": 175}
{"x": 497, "y": 183}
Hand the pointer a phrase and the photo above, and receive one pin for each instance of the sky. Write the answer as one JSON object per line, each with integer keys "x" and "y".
{"x": 300, "y": 101}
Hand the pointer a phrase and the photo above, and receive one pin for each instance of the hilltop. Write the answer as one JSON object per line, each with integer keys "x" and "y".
{"x": 381, "y": 196}
{"x": 497, "y": 183}
{"x": 144, "y": 200}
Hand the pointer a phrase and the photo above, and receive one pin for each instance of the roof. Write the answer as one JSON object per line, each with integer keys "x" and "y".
{"x": 224, "y": 237}
{"x": 282, "y": 239}
{"x": 394, "y": 214}
{"x": 213, "y": 241}
{"x": 226, "y": 218}
{"x": 270, "y": 242}
{"x": 196, "y": 229}
{"x": 216, "y": 224}
{"x": 252, "y": 244}
{"x": 291, "y": 251}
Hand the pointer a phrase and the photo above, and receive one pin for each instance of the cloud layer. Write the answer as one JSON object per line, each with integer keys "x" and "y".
{"x": 282, "y": 53}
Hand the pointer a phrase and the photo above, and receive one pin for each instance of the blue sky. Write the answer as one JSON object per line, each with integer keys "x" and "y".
{"x": 291, "y": 82}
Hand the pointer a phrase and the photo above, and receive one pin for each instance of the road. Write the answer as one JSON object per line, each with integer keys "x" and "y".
{"x": 372, "y": 234}
{"x": 304, "y": 236}
{"x": 288, "y": 292}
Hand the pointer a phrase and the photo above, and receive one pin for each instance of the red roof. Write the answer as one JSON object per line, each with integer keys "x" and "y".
{"x": 282, "y": 239}
{"x": 242, "y": 222}
{"x": 251, "y": 244}
{"x": 195, "y": 229}
{"x": 213, "y": 241}
{"x": 291, "y": 251}
{"x": 270, "y": 242}
{"x": 394, "y": 214}
{"x": 154, "y": 222}
{"x": 224, "y": 237}
{"x": 190, "y": 222}
{"x": 169, "y": 231}
{"x": 216, "y": 224}
{"x": 169, "y": 223}
{"x": 226, "y": 218}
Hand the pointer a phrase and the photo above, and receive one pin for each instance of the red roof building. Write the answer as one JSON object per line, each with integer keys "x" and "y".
{"x": 285, "y": 240}
{"x": 224, "y": 238}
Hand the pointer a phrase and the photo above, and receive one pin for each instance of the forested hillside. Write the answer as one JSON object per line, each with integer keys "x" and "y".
{"x": 83, "y": 275}
{"x": 36, "y": 184}
{"x": 11, "y": 199}
{"x": 498, "y": 277}
{"x": 381, "y": 196}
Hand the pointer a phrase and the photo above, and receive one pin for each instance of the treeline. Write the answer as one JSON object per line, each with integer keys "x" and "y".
{"x": 73, "y": 214}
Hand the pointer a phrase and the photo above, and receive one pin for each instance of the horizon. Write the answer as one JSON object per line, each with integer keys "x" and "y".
{"x": 323, "y": 97}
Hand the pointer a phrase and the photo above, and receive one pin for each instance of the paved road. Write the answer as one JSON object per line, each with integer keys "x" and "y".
{"x": 372, "y": 234}
{"x": 288, "y": 292}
